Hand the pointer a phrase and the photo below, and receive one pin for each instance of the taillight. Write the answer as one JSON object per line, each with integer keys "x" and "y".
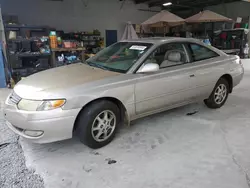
{"x": 238, "y": 60}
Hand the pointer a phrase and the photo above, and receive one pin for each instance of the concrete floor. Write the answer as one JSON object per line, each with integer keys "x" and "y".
{"x": 171, "y": 149}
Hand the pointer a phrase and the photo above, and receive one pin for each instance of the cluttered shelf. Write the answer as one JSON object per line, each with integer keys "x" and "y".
{"x": 69, "y": 48}
{"x": 230, "y": 51}
{"x": 66, "y": 49}
{"x": 33, "y": 54}
{"x": 32, "y": 49}
{"x": 67, "y": 59}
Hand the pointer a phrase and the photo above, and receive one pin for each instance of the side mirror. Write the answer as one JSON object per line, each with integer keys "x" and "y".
{"x": 149, "y": 67}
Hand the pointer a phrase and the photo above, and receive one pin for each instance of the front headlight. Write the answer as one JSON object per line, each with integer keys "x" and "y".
{"x": 51, "y": 105}
{"x": 30, "y": 105}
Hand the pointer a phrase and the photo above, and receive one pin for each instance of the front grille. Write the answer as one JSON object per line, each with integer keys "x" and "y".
{"x": 14, "y": 99}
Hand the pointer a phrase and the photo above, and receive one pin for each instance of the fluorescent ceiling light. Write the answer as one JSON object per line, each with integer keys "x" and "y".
{"x": 167, "y": 4}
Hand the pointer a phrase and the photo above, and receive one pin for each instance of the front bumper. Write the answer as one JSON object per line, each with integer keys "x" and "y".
{"x": 53, "y": 125}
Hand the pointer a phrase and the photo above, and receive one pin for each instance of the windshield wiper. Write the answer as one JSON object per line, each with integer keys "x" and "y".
{"x": 104, "y": 68}
{"x": 96, "y": 65}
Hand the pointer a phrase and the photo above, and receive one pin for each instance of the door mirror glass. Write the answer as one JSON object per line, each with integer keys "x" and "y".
{"x": 149, "y": 67}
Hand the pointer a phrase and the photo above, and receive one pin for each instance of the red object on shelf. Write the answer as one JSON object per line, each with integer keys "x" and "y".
{"x": 69, "y": 44}
{"x": 66, "y": 44}
{"x": 232, "y": 44}
{"x": 223, "y": 36}
{"x": 73, "y": 44}
{"x": 237, "y": 25}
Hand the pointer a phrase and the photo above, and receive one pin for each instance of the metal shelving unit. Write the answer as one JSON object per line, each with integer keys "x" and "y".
{"x": 19, "y": 60}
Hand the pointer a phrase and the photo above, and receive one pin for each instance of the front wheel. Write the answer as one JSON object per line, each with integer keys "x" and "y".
{"x": 97, "y": 124}
{"x": 219, "y": 95}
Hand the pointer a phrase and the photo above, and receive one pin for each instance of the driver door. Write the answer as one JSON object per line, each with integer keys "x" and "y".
{"x": 171, "y": 85}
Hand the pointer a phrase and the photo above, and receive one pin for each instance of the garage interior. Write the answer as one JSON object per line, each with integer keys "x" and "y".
{"x": 182, "y": 148}
{"x": 77, "y": 30}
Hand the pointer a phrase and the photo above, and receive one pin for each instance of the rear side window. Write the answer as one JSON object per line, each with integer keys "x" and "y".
{"x": 199, "y": 52}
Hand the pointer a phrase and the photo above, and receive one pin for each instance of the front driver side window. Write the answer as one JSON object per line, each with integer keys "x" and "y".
{"x": 168, "y": 55}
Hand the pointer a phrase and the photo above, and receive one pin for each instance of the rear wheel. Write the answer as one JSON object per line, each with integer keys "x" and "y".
{"x": 219, "y": 95}
{"x": 97, "y": 124}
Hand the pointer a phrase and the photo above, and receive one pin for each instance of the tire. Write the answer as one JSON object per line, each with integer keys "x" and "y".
{"x": 213, "y": 101}
{"x": 94, "y": 124}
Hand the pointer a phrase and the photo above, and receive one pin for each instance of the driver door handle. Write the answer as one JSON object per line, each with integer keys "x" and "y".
{"x": 191, "y": 75}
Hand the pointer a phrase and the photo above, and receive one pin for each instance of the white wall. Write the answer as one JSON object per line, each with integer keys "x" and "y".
{"x": 73, "y": 15}
{"x": 233, "y": 10}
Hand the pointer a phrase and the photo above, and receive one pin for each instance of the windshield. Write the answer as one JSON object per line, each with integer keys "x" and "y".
{"x": 119, "y": 57}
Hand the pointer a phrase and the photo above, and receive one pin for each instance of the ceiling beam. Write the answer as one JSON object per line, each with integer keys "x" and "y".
{"x": 141, "y": 1}
{"x": 180, "y": 3}
{"x": 205, "y": 4}
{"x": 187, "y": 3}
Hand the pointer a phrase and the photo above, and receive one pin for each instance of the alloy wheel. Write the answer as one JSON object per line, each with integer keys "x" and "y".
{"x": 220, "y": 94}
{"x": 103, "y": 125}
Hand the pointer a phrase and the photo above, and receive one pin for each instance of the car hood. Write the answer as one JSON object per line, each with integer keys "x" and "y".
{"x": 64, "y": 77}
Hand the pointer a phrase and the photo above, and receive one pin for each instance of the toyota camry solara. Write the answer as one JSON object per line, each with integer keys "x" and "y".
{"x": 126, "y": 81}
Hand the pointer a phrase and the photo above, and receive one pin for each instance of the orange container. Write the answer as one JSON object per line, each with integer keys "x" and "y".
{"x": 53, "y": 41}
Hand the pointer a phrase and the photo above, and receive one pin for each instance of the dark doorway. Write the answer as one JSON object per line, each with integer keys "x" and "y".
{"x": 111, "y": 37}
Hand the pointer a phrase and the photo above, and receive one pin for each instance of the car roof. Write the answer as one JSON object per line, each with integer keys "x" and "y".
{"x": 162, "y": 40}
{"x": 159, "y": 40}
